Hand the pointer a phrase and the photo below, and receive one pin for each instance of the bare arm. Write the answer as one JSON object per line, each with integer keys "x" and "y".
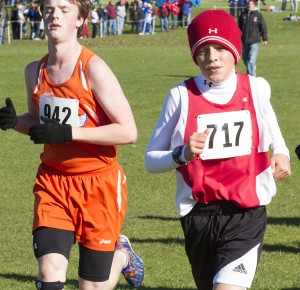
{"x": 111, "y": 98}
{"x": 30, "y": 118}
{"x": 8, "y": 117}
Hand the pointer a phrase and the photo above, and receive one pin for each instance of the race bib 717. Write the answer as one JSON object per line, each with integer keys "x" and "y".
{"x": 230, "y": 134}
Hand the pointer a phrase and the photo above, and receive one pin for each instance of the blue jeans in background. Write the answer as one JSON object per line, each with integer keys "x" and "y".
{"x": 112, "y": 26}
{"x": 121, "y": 22}
{"x": 164, "y": 24}
{"x": 249, "y": 55}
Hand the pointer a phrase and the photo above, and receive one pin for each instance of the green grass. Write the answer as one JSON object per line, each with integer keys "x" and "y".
{"x": 147, "y": 68}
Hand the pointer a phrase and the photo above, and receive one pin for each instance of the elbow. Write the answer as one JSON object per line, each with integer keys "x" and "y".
{"x": 148, "y": 164}
{"x": 132, "y": 136}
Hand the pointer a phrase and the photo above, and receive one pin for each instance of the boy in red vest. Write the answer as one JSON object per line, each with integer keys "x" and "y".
{"x": 219, "y": 126}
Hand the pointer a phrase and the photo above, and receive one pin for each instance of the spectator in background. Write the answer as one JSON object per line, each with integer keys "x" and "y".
{"x": 111, "y": 18}
{"x": 174, "y": 14}
{"x": 144, "y": 8}
{"x": 294, "y": 4}
{"x": 15, "y": 24}
{"x": 102, "y": 13}
{"x": 121, "y": 15}
{"x": 241, "y": 6}
{"x": 231, "y": 7}
{"x": 153, "y": 16}
{"x": 163, "y": 13}
{"x": 253, "y": 26}
{"x": 186, "y": 12}
{"x": 149, "y": 19}
{"x": 283, "y": 5}
{"x": 142, "y": 16}
{"x": 22, "y": 19}
{"x": 180, "y": 15}
{"x": 135, "y": 17}
{"x": 95, "y": 21}
{"x": 168, "y": 6}
{"x": 3, "y": 21}
{"x": 149, "y": 13}
{"x": 24, "y": 25}
{"x": 85, "y": 30}
{"x": 42, "y": 30}
{"x": 30, "y": 18}
{"x": 37, "y": 22}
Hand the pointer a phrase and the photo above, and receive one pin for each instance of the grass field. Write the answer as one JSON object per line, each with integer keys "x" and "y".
{"x": 147, "y": 68}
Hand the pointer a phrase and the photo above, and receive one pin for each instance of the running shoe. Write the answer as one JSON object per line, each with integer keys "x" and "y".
{"x": 134, "y": 271}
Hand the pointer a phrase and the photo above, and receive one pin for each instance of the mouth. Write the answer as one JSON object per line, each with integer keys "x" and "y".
{"x": 214, "y": 69}
{"x": 54, "y": 26}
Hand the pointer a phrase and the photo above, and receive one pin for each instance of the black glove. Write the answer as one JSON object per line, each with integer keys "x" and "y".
{"x": 8, "y": 116}
{"x": 50, "y": 132}
{"x": 297, "y": 151}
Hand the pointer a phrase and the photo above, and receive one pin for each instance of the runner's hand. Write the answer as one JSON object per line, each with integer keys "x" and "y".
{"x": 51, "y": 132}
{"x": 8, "y": 116}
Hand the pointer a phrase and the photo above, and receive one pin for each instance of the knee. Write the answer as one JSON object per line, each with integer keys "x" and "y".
{"x": 52, "y": 267}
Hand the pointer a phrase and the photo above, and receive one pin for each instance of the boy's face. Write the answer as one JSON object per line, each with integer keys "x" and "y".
{"x": 61, "y": 19}
{"x": 215, "y": 62}
{"x": 252, "y": 5}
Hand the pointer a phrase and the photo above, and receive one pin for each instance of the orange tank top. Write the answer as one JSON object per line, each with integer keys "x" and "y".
{"x": 72, "y": 102}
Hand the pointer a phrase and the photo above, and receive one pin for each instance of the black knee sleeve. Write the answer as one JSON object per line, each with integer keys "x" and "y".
{"x": 40, "y": 285}
{"x": 48, "y": 240}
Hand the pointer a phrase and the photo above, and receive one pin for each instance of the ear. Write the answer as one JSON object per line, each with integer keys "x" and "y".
{"x": 79, "y": 22}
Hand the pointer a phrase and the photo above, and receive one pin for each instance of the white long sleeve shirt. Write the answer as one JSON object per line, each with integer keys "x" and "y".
{"x": 169, "y": 130}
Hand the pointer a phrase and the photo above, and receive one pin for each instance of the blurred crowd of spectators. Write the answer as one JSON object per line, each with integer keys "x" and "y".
{"x": 25, "y": 18}
{"x": 140, "y": 15}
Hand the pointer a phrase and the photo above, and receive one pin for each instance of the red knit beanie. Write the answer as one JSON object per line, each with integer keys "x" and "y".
{"x": 215, "y": 26}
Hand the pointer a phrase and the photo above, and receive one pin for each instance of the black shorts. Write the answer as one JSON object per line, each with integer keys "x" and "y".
{"x": 93, "y": 265}
{"x": 223, "y": 243}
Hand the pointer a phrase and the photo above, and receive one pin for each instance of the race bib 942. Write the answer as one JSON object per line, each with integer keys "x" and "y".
{"x": 230, "y": 134}
{"x": 65, "y": 111}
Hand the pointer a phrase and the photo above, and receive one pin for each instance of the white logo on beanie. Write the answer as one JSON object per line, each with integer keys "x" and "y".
{"x": 213, "y": 30}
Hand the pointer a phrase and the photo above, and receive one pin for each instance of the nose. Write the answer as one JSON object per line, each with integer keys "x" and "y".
{"x": 212, "y": 54}
{"x": 55, "y": 14}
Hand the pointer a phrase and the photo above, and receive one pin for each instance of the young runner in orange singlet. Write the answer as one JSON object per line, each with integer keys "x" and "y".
{"x": 77, "y": 109}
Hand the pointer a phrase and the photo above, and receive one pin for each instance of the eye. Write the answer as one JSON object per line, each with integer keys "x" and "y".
{"x": 48, "y": 10}
{"x": 202, "y": 50}
{"x": 220, "y": 48}
{"x": 65, "y": 10}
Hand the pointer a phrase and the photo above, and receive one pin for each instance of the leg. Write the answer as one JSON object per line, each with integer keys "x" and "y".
{"x": 217, "y": 262}
{"x": 253, "y": 52}
{"x": 119, "y": 30}
{"x": 100, "y": 270}
{"x": 102, "y": 259}
{"x": 167, "y": 24}
{"x": 52, "y": 268}
{"x": 162, "y": 24}
{"x": 104, "y": 28}
{"x": 52, "y": 249}
{"x": 109, "y": 27}
{"x": 115, "y": 27}
{"x": 245, "y": 54}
